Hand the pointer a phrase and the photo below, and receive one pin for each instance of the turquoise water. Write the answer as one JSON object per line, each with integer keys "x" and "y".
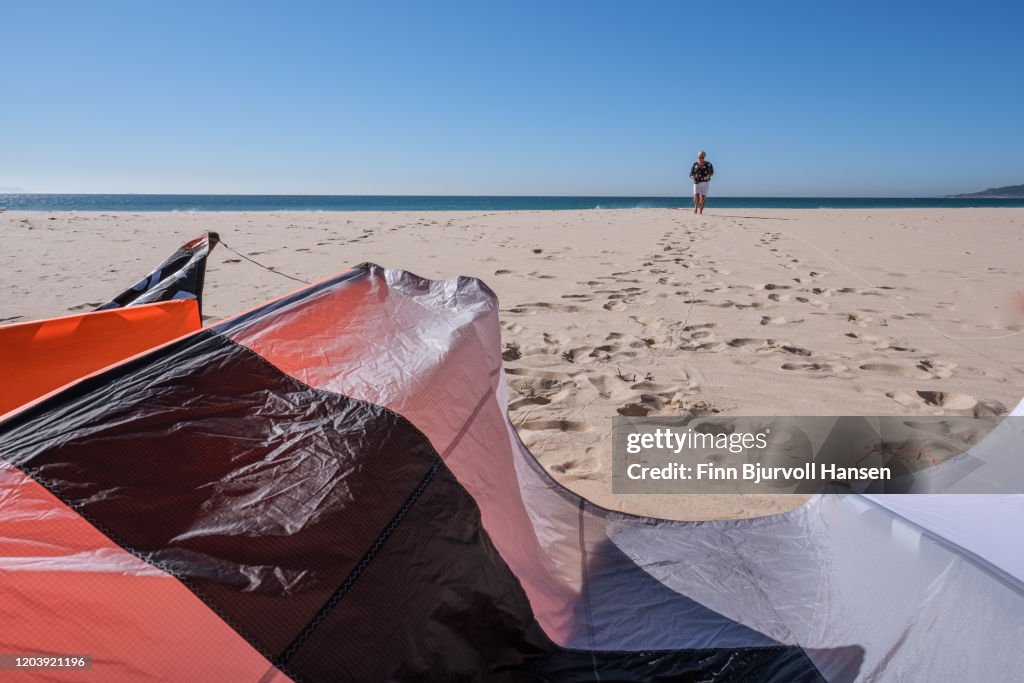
{"x": 227, "y": 202}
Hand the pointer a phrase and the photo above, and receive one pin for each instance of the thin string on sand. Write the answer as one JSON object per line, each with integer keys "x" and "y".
{"x": 273, "y": 270}
{"x": 896, "y": 301}
{"x": 693, "y": 302}
{"x": 959, "y": 341}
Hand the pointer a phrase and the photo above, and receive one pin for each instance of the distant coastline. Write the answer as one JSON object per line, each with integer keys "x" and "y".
{"x": 181, "y": 202}
{"x": 1005, "y": 192}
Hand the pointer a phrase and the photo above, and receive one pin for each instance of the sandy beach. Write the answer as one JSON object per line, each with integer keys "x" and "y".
{"x": 605, "y": 312}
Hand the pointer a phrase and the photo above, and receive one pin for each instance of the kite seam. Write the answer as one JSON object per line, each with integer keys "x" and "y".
{"x": 354, "y": 575}
{"x": 584, "y": 583}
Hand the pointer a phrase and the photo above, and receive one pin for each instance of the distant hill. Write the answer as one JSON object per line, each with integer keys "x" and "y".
{"x": 1008, "y": 192}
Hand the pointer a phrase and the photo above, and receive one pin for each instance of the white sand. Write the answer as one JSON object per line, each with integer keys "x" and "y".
{"x": 743, "y": 311}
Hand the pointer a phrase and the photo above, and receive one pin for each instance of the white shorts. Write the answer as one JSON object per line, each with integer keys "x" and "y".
{"x": 701, "y": 188}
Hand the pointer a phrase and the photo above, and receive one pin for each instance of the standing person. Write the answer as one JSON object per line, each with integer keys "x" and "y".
{"x": 700, "y": 174}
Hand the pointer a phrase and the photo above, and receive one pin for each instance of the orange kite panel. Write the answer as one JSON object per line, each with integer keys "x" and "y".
{"x": 65, "y": 588}
{"x": 40, "y": 356}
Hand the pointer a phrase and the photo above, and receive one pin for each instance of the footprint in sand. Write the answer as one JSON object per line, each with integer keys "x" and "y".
{"x": 780, "y": 320}
{"x": 925, "y": 369}
{"x": 767, "y": 345}
{"x": 85, "y": 307}
{"x": 578, "y": 468}
{"x": 821, "y": 369}
{"x": 514, "y": 328}
{"x": 566, "y": 466}
{"x": 710, "y": 347}
{"x": 543, "y": 374}
{"x": 880, "y": 343}
{"x": 608, "y": 352}
{"x": 610, "y": 387}
{"x": 641, "y": 396}
{"x": 556, "y": 339}
{"x": 642, "y": 407}
{"x": 555, "y": 424}
{"x": 530, "y": 382}
{"x": 511, "y": 352}
{"x": 742, "y": 342}
{"x": 796, "y": 350}
{"x": 863, "y": 320}
{"x": 942, "y": 403}
{"x": 580, "y": 355}
{"x": 542, "y": 306}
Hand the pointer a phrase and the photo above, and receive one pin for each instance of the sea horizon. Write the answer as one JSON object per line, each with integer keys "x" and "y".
{"x": 314, "y": 202}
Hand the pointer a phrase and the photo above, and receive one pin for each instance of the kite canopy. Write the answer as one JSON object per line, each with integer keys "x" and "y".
{"x": 180, "y": 276}
{"x": 328, "y": 488}
{"x": 40, "y": 356}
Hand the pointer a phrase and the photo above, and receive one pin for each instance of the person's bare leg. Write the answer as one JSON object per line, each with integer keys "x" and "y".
{"x": 703, "y": 198}
{"x": 696, "y": 202}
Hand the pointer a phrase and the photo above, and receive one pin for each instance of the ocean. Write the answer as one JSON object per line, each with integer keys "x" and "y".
{"x": 227, "y": 202}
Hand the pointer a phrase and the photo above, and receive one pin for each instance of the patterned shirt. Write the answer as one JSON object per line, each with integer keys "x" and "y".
{"x": 700, "y": 173}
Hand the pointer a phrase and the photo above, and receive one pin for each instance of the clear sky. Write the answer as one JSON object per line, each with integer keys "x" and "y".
{"x": 553, "y": 97}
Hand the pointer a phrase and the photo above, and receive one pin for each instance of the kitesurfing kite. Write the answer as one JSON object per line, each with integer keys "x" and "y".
{"x": 328, "y": 488}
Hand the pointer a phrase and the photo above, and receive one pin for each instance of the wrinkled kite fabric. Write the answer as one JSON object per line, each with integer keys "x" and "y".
{"x": 180, "y": 276}
{"x": 328, "y": 488}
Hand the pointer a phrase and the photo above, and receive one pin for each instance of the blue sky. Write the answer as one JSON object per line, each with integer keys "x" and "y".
{"x": 788, "y": 98}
